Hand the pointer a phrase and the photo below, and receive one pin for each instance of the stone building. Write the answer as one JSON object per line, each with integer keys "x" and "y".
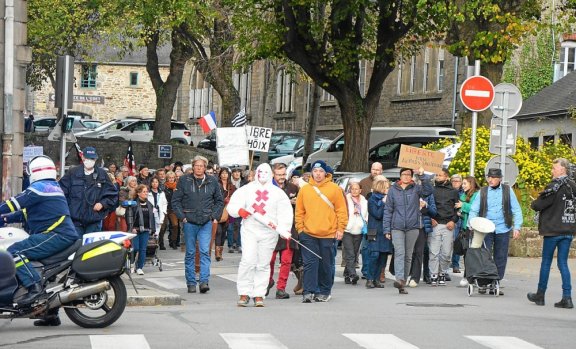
{"x": 14, "y": 56}
{"x": 110, "y": 88}
{"x": 420, "y": 92}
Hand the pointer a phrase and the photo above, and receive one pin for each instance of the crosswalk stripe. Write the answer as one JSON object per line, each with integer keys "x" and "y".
{"x": 252, "y": 341}
{"x": 503, "y": 342}
{"x": 379, "y": 341}
{"x": 170, "y": 283}
{"x": 127, "y": 341}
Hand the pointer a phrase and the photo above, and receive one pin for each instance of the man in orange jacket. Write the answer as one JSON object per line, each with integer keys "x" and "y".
{"x": 321, "y": 216}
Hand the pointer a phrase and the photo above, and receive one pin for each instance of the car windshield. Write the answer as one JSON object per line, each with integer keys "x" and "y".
{"x": 91, "y": 124}
{"x": 179, "y": 126}
{"x": 288, "y": 143}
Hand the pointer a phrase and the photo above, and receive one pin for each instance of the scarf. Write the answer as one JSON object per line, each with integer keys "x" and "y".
{"x": 556, "y": 184}
{"x": 170, "y": 185}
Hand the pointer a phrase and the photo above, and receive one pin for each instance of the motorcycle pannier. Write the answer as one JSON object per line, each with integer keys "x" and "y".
{"x": 99, "y": 259}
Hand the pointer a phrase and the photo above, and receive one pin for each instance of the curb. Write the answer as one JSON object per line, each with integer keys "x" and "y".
{"x": 154, "y": 300}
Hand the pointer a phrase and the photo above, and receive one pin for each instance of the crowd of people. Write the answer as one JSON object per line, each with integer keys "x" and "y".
{"x": 409, "y": 225}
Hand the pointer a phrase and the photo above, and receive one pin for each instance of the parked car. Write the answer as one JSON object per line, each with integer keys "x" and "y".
{"x": 109, "y": 126}
{"x": 287, "y": 143}
{"x": 294, "y": 161}
{"x": 208, "y": 143}
{"x": 45, "y": 124}
{"x": 143, "y": 130}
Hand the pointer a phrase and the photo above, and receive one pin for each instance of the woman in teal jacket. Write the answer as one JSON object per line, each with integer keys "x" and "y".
{"x": 471, "y": 189}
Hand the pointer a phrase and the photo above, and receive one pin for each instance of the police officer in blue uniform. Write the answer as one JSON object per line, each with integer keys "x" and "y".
{"x": 48, "y": 220}
{"x": 90, "y": 193}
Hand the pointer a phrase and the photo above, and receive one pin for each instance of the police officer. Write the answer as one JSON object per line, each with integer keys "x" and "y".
{"x": 90, "y": 193}
{"x": 49, "y": 225}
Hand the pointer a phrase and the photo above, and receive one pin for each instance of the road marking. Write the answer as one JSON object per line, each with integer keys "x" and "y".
{"x": 379, "y": 341}
{"x": 169, "y": 264}
{"x": 126, "y": 341}
{"x": 170, "y": 283}
{"x": 229, "y": 277}
{"x": 477, "y": 93}
{"x": 252, "y": 341}
{"x": 503, "y": 342}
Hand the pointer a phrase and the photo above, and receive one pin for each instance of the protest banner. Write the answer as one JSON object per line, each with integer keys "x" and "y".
{"x": 414, "y": 158}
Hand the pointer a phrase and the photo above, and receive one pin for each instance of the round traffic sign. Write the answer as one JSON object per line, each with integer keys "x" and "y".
{"x": 477, "y": 93}
{"x": 507, "y": 101}
{"x": 511, "y": 169}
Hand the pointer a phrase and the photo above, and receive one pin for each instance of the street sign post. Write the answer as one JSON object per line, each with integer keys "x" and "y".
{"x": 507, "y": 104}
{"x": 510, "y": 175}
{"x": 496, "y": 131}
{"x": 477, "y": 93}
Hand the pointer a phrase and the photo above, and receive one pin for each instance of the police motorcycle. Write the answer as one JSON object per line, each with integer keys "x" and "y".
{"x": 84, "y": 280}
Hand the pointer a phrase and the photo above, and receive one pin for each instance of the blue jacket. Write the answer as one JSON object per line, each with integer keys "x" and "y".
{"x": 83, "y": 192}
{"x": 375, "y": 215}
{"x": 46, "y": 209}
{"x": 428, "y": 212}
{"x": 403, "y": 205}
{"x": 495, "y": 212}
{"x": 198, "y": 200}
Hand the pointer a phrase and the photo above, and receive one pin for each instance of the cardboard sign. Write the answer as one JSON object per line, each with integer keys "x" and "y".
{"x": 258, "y": 138}
{"x": 414, "y": 158}
{"x": 232, "y": 146}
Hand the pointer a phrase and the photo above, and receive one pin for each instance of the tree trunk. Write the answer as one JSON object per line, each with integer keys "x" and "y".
{"x": 357, "y": 121}
{"x": 312, "y": 122}
{"x": 166, "y": 91}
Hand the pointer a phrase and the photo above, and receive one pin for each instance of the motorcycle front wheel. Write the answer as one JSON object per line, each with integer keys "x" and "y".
{"x": 102, "y": 309}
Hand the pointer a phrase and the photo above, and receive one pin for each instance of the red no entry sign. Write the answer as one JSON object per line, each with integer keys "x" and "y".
{"x": 477, "y": 93}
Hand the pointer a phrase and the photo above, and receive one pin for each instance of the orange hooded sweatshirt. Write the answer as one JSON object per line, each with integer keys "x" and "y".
{"x": 313, "y": 215}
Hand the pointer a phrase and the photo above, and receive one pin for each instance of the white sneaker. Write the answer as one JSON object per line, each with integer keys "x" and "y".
{"x": 139, "y": 272}
{"x": 412, "y": 284}
{"x": 464, "y": 282}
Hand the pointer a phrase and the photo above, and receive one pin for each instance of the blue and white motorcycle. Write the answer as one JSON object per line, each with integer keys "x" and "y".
{"x": 84, "y": 280}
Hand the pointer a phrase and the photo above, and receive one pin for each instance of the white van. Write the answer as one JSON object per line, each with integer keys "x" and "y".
{"x": 333, "y": 153}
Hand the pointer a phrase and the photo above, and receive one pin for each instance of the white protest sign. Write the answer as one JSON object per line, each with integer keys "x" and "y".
{"x": 31, "y": 152}
{"x": 232, "y": 146}
{"x": 258, "y": 138}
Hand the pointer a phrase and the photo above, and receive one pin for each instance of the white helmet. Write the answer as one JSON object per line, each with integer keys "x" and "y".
{"x": 41, "y": 167}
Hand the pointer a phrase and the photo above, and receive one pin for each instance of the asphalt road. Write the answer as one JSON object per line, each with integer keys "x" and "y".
{"x": 441, "y": 317}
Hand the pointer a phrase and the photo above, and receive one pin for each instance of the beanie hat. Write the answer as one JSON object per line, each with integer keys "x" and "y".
{"x": 321, "y": 164}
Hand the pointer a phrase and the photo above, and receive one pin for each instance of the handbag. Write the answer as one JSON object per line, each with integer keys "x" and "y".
{"x": 364, "y": 226}
{"x": 224, "y": 217}
{"x": 461, "y": 243}
{"x": 371, "y": 234}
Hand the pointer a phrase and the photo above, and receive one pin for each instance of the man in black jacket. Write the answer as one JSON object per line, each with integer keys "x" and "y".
{"x": 557, "y": 224}
{"x": 198, "y": 202}
{"x": 441, "y": 240}
{"x": 90, "y": 193}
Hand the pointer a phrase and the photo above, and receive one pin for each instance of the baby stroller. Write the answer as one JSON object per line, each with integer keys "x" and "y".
{"x": 481, "y": 271}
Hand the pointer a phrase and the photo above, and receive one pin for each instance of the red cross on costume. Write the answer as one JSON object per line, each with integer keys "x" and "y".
{"x": 261, "y": 195}
{"x": 259, "y": 208}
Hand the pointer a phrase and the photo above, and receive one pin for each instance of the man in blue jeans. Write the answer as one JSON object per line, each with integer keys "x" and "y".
{"x": 557, "y": 224}
{"x": 498, "y": 203}
{"x": 198, "y": 202}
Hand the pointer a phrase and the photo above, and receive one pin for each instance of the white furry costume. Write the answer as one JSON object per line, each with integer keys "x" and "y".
{"x": 259, "y": 240}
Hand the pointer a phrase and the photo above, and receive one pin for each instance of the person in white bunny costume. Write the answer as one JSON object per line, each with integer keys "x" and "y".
{"x": 266, "y": 213}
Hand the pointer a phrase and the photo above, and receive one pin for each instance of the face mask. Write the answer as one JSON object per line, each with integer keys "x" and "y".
{"x": 89, "y": 163}
{"x": 263, "y": 176}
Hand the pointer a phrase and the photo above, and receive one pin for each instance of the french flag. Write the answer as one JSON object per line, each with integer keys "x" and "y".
{"x": 208, "y": 122}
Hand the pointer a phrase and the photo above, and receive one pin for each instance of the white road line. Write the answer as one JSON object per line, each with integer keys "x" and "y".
{"x": 128, "y": 341}
{"x": 503, "y": 342}
{"x": 170, "y": 283}
{"x": 379, "y": 341}
{"x": 252, "y": 341}
{"x": 169, "y": 264}
{"x": 477, "y": 93}
{"x": 229, "y": 277}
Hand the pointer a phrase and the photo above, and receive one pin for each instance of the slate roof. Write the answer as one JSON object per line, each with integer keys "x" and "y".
{"x": 554, "y": 100}
{"x": 111, "y": 55}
